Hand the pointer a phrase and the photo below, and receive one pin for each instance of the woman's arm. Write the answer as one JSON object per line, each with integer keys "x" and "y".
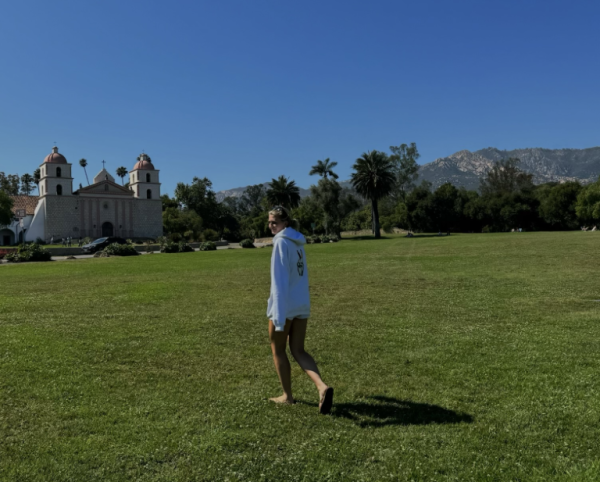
{"x": 280, "y": 280}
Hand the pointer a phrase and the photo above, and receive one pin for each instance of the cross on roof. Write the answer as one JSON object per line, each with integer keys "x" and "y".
{"x": 103, "y": 164}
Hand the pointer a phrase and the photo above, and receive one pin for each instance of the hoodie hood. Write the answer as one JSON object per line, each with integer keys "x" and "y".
{"x": 292, "y": 235}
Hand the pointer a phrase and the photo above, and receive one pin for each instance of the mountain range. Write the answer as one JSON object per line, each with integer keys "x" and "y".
{"x": 465, "y": 168}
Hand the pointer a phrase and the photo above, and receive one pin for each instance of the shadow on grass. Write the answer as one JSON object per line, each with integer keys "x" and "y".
{"x": 381, "y": 411}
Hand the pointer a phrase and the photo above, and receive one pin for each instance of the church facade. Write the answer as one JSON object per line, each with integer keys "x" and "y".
{"x": 103, "y": 208}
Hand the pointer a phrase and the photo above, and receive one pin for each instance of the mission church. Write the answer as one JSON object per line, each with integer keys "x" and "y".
{"x": 103, "y": 208}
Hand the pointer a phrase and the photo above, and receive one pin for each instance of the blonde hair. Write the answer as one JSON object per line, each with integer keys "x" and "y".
{"x": 284, "y": 215}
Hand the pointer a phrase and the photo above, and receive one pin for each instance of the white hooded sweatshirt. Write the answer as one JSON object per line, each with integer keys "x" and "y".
{"x": 289, "y": 279}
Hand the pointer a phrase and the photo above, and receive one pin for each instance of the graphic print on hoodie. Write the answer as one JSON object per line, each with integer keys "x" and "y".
{"x": 289, "y": 296}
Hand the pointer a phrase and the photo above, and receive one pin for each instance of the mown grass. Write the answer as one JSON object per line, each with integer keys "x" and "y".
{"x": 471, "y": 357}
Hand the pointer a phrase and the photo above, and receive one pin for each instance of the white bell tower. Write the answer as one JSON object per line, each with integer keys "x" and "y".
{"x": 144, "y": 180}
{"x": 55, "y": 175}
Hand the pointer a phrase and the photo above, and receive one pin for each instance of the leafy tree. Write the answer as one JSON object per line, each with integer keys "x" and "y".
{"x": 168, "y": 202}
{"x": 471, "y": 211}
{"x": 36, "y": 178}
{"x": 6, "y": 204}
{"x": 181, "y": 222}
{"x": 588, "y": 203}
{"x": 199, "y": 197}
{"x": 121, "y": 172}
{"x": 558, "y": 204}
{"x": 26, "y": 183}
{"x": 508, "y": 194}
{"x": 359, "y": 220}
{"x": 404, "y": 157}
{"x": 505, "y": 177}
{"x": 335, "y": 203}
{"x": 252, "y": 199}
{"x": 324, "y": 169}
{"x": 83, "y": 163}
{"x": 310, "y": 211}
{"x": 420, "y": 208}
{"x": 392, "y": 214}
{"x": 10, "y": 184}
{"x": 444, "y": 200}
{"x": 373, "y": 179}
{"x": 283, "y": 192}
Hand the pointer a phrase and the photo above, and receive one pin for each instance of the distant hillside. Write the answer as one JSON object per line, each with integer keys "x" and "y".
{"x": 465, "y": 168}
{"x": 239, "y": 191}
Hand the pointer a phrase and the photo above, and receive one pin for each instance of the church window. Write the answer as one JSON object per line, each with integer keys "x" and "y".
{"x": 149, "y": 193}
{"x": 59, "y": 190}
{"x": 105, "y": 206}
{"x": 58, "y": 172}
{"x": 148, "y": 177}
{"x": 106, "y": 187}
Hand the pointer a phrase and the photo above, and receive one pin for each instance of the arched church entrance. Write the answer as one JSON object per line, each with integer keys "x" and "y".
{"x": 107, "y": 229}
{"x": 7, "y": 237}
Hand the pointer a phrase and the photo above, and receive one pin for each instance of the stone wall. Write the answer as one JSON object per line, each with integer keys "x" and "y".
{"x": 77, "y": 216}
{"x": 147, "y": 218}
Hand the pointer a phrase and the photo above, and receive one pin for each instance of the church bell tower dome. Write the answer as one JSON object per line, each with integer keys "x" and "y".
{"x": 55, "y": 158}
{"x": 144, "y": 162}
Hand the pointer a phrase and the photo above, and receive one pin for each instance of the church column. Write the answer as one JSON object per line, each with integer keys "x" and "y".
{"x": 117, "y": 230}
{"x": 98, "y": 225}
{"x": 90, "y": 233}
{"x": 131, "y": 219}
{"x": 81, "y": 218}
{"x": 123, "y": 206}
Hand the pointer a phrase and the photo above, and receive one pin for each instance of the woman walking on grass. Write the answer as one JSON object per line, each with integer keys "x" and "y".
{"x": 289, "y": 308}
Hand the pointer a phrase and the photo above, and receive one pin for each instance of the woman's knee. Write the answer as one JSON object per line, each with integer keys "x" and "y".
{"x": 298, "y": 352}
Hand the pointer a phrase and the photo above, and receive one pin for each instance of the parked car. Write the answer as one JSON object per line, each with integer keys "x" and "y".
{"x": 101, "y": 243}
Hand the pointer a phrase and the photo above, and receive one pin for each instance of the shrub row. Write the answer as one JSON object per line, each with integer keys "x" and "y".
{"x": 29, "y": 252}
{"x": 181, "y": 247}
{"x": 117, "y": 249}
{"x": 208, "y": 246}
{"x": 247, "y": 243}
{"x": 324, "y": 238}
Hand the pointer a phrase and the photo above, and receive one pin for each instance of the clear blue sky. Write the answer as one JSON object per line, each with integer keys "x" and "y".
{"x": 243, "y": 91}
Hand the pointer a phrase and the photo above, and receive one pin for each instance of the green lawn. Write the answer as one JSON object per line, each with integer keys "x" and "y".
{"x": 469, "y": 357}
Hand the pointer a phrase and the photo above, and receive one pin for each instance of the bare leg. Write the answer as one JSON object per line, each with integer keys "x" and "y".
{"x": 306, "y": 362}
{"x": 282, "y": 364}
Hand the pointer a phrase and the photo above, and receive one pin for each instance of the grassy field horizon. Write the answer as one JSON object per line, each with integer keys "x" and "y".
{"x": 467, "y": 357}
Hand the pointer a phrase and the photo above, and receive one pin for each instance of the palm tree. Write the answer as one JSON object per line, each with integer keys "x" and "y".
{"x": 26, "y": 182}
{"x": 36, "y": 178}
{"x": 283, "y": 192}
{"x": 324, "y": 168}
{"x": 121, "y": 172}
{"x": 83, "y": 163}
{"x": 374, "y": 179}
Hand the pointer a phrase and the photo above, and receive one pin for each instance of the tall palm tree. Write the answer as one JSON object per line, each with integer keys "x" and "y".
{"x": 324, "y": 168}
{"x": 36, "y": 178}
{"x": 283, "y": 192}
{"x": 83, "y": 163}
{"x": 121, "y": 172}
{"x": 374, "y": 179}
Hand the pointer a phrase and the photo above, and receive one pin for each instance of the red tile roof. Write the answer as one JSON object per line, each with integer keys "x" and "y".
{"x": 28, "y": 203}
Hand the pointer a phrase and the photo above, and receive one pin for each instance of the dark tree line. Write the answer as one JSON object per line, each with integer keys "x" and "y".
{"x": 384, "y": 195}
